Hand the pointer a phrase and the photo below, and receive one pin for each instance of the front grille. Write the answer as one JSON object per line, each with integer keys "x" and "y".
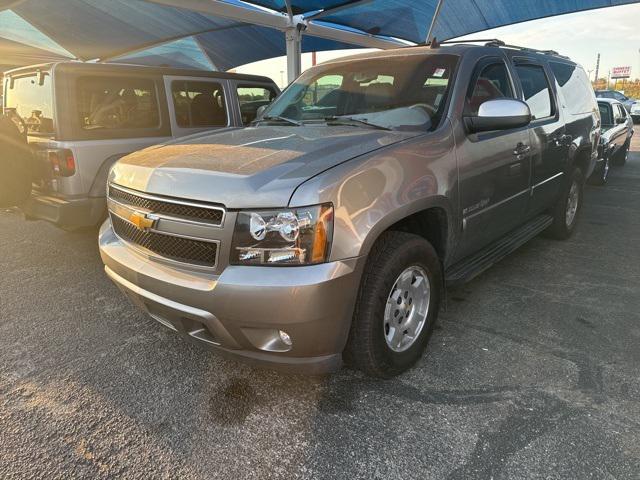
{"x": 175, "y": 248}
{"x": 173, "y": 208}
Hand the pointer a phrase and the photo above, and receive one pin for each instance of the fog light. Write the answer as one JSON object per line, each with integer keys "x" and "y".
{"x": 286, "y": 339}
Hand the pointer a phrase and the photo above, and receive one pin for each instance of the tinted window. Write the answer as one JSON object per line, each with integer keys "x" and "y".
{"x": 605, "y": 114}
{"x": 622, "y": 112}
{"x": 537, "y": 92}
{"x": 575, "y": 87}
{"x": 32, "y": 97}
{"x": 199, "y": 104}
{"x": 493, "y": 82}
{"x": 117, "y": 103}
{"x": 251, "y": 98}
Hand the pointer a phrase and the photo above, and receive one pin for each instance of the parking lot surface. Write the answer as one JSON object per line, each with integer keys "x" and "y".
{"x": 531, "y": 373}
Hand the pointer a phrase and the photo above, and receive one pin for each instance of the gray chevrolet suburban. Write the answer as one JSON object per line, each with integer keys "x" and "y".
{"x": 329, "y": 230}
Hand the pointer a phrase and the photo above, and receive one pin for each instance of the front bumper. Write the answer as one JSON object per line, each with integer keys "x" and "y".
{"x": 74, "y": 213}
{"x": 241, "y": 311}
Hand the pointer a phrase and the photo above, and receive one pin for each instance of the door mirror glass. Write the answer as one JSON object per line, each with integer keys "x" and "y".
{"x": 499, "y": 114}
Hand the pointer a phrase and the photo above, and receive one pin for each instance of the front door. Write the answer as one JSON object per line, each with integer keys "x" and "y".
{"x": 494, "y": 167}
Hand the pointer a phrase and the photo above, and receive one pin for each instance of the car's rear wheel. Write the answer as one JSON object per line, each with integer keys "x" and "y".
{"x": 397, "y": 305}
{"x": 567, "y": 209}
{"x": 621, "y": 155}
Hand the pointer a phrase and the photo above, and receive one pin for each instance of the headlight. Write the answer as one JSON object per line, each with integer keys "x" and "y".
{"x": 299, "y": 236}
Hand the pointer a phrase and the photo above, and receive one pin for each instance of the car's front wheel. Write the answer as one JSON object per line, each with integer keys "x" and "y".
{"x": 397, "y": 305}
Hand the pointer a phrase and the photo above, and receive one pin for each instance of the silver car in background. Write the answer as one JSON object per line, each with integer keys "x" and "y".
{"x": 82, "y": 117}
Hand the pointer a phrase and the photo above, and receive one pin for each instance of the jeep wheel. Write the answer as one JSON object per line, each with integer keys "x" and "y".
{"x": 621, "y": 156}
{"x": 397, "y": 305}
{"x": 567, "y": 209}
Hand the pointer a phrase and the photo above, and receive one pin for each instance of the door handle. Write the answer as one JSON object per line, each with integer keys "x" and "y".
{"x": 521, "y": 149}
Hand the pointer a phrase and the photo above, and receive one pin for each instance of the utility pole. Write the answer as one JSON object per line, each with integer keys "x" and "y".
{"x": 598, "y": 70}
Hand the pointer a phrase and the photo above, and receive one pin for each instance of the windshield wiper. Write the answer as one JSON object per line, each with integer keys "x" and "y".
{"x": 281, "y": 119}
{"x": 334, "y": 120}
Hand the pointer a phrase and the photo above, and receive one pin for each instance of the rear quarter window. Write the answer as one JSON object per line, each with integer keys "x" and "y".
{"x": 575, "y": 86}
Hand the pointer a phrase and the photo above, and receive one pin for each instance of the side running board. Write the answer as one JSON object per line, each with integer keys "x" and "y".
{"x": 470, "y": 267}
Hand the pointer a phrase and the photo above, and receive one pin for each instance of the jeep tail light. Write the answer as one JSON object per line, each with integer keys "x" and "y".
{"x": 62, "y": 162}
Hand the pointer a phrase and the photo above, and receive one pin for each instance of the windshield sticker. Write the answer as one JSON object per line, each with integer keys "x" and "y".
{"x": 439, "y": 72}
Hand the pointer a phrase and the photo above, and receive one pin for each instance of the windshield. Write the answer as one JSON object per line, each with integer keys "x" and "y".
{"x": 406, "y": 92}
{"x": 32, "y": 98}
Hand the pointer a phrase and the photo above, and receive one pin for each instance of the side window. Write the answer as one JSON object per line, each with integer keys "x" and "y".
{"x": 251, "y": 98}
{"x": 536, "y": 89}
{"x": 324, "y": 92}
{"x": 117, "y": 103}
{"x": 605, "y": 114}
{"x": 575, "y": 86}
{"x": 622, "y": 112}
{"x": 492, "y": 82}
{"x": 199, "y": 104}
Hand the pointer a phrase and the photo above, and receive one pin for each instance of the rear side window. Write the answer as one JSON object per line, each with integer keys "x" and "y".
{"x": 251, "y": 98}
{"x": 536, "y": 89}
{"x": 621, "y": 111}
{"x": 492, "y": 83}
{"x": 117, "y": 103}
{"x": 605, "y": 114}
{"x": 199, "y": 104}
{"x": 575, "y": 87}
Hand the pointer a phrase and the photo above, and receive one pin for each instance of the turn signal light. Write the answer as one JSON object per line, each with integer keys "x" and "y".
{"x": 62, "y": 162}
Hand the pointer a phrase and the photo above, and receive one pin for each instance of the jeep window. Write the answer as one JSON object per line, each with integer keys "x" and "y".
{"x": 32, "y": 98}
{"x": 251, "y": 98}
{"x": 492, "y": 82}
{"x": 575, "y": 87}
{"x": 398, "y": 92}
{"x": 537, "y": 92}
{"x": 117, "y": 103}
{"x": 199, "y": 104}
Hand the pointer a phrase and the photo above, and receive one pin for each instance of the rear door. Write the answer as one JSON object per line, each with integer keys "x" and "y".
{"x": 549, "y": 144}
{"x": 494, "y": 166}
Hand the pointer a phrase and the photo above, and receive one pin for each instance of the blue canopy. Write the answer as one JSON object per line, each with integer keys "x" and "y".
{"x": 203, "y": 34}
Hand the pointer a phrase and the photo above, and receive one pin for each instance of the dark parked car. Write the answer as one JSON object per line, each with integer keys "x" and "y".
{"x": 615, "y": 95}
{"x": 328, "y": 230}
{"x": 617, "y": 130}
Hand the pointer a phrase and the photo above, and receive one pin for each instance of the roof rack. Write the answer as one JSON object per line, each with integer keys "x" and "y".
{"x": 494, "y": 42}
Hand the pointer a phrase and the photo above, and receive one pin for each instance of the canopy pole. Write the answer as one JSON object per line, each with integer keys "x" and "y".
{"x": 433, "y": 21}
{"x": 293, "y": 37}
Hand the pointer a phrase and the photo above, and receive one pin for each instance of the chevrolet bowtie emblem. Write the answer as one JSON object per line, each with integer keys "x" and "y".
{"x": 142, "y": 221}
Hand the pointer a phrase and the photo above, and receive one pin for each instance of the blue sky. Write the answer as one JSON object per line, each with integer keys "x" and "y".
{"x": 613, "y": 32}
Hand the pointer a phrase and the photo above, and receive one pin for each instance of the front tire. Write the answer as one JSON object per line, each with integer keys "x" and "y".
{"x": 568, "y": 207}
{"x": 397, "y": 305}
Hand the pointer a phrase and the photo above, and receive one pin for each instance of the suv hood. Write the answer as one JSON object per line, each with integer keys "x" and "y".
{"x": 247, "y": 168}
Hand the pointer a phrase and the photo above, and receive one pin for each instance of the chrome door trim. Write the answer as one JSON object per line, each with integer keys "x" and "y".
{"x": 490, "y": 207}
{"x": 545, "y": 181}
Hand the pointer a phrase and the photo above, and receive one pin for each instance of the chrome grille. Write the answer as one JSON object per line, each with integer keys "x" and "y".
{"x": 186, "y": 250}
{"x": 210, "y": 215}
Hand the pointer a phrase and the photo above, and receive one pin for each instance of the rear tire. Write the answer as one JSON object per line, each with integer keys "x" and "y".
{"x": 397, "y": 305}
{"x": 568, "y": 207}
{"x": 621, "y": 157}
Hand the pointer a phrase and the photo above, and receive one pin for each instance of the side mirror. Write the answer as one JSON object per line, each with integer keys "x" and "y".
{"x": 499, "y": 114}
{"x": 621, "y": 120}
{"x": 260, "y": 110}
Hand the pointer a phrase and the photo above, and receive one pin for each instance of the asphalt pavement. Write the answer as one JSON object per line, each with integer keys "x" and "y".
{"x": 533, "y": 372}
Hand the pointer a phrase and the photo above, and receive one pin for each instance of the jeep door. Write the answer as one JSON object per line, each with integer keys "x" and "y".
{"x": 198, "y": 103}
{"x": 494, "y": 167}
{"x": 549, "y": 144}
